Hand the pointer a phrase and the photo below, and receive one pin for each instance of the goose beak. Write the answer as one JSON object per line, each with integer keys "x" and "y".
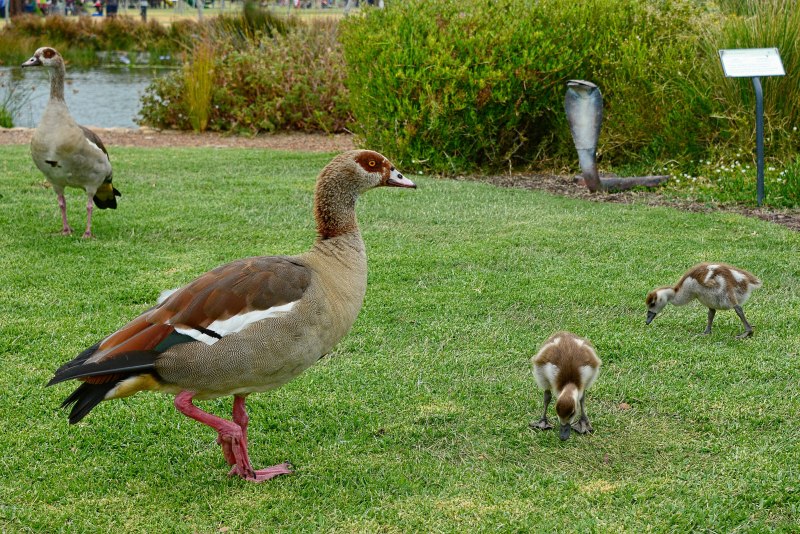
{"x": 398, "y": 180}
{"x": 650, "y": 317}
{"x": 563, "y": 432}
{"x": 32, "y": 62}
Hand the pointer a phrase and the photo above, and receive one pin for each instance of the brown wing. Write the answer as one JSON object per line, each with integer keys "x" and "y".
{"x": 236, "y": 288}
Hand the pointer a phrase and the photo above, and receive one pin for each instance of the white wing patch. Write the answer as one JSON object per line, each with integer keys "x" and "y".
{"x": 95, "y": 146}
{"x": 588, "y": 375}
{"x": 738, "y": 276}
{"x": 167, "y": 293}
{"x": 710, "y": 274}
{"x": 234, "y": 324}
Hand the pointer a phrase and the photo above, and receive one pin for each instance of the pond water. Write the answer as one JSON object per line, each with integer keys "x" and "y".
{"x": 102, "y": 97}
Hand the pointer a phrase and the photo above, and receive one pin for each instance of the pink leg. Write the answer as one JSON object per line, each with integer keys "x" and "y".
{"x": 89, "y": 208}
{"x": 62, "y": 204}
{"x": 241, "y": 418}
{"x": 232, "y": 438}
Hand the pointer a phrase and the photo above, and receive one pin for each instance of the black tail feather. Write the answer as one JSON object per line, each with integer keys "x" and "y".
{"x": 77, "y": 360}
{"x": 106, "y": 196}
{"x": 86, "y": 397}
{"x": 128, "y": 363}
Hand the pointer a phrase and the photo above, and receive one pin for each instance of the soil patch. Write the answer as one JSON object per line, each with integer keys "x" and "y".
{"x": 150, "y": 138}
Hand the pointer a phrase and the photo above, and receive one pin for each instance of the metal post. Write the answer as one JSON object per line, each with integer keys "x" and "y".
{"x": 759, "y": 140}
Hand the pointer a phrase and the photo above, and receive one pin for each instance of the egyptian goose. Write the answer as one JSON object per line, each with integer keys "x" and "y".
{"x": 567, "y": 365}
{"x": 716, "y": 285}
{"x": 68, "y": 154}
{"x": 248, "y": 326}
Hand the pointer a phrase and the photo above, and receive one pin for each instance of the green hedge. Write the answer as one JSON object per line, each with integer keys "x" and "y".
{"x": 457, "y": 85}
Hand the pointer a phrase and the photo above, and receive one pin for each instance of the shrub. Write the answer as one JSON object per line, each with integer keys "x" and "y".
{"x": 286, "y": 82}
{"x": 457, "y": 85}
{"x": 79, "y": 39}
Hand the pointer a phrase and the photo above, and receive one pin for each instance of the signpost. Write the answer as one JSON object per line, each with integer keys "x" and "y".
{"x": 754, "y": 63}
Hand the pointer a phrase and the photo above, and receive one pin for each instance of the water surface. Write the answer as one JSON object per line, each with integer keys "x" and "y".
{"x": 102, "y": 97}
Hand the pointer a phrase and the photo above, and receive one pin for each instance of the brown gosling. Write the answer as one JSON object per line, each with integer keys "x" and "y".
{"x": 567, "y": 365}
{"x": 717, "y": 286}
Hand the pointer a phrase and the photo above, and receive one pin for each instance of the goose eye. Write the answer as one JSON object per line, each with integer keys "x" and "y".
{"x": 372, "y": 163}
{"x": 49, "y": 53}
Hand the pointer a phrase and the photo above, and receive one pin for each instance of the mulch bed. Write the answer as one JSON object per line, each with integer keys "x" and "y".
{"x": 565, "y": 186}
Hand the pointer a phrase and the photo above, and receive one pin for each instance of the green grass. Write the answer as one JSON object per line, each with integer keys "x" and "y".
{"x": 418, "y": 421}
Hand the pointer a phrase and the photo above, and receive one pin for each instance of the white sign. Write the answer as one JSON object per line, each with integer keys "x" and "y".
{"x": 750, "y": 62}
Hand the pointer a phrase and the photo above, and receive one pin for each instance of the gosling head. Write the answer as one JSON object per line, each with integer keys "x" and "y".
{"x": 656, "y": 300}
{"x": 567, "y": 409}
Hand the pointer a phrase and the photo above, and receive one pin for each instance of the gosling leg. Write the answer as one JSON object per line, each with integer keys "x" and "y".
{"x": 543, "y": 423}
{"x": 748, "y": 330}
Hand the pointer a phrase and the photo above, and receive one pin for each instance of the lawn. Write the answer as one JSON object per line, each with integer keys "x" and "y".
{"x": 419, "y": 419}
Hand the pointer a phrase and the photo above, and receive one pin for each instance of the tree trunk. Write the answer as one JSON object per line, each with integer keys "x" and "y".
{"x": 15, "y": 8}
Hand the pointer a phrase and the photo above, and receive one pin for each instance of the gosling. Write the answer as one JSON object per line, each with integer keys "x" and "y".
{"x": 567, "y": 365}
{"x": 717, "y": 286}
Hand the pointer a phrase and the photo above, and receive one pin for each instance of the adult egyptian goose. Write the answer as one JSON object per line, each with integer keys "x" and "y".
{"x": 248, "y": 326}
{"x": 567, "y": 365}
{"x": 68, "y": 154}
{"x": 717, "y": 286}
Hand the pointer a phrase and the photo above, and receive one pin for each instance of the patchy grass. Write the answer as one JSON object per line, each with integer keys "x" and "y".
{"x": 418, "y": 421}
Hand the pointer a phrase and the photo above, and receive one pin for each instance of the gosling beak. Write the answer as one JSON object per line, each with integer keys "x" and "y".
{"x": 398, "y": 180}
{"x": 32, "y": 62}
{"x": 650, "y": 317}
{"x": 563, "y": 432}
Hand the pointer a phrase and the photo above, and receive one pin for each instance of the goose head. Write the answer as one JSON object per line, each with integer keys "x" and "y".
{"x": 656, "y": 300}
{"x": 567, "y": 409}
{"x": 361, "y": 170}
{"x": 45, "y": 57}
{"x": 343, "y": 180}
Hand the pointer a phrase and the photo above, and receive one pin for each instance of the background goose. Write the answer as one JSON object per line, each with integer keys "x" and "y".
{"x": 717, "y": 286}
{"x": 248, "y": 326}
{"x": 567, "y": 365}
{"x": 68, "y": 154}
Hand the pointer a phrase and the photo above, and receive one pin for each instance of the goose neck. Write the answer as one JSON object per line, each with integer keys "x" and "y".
{"x": 334, "y": 210}
{"x": 57, "y": 75}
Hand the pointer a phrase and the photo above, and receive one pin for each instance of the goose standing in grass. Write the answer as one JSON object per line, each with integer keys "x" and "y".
{"x": 68, "y": 154}
{"x": 717, "y": 286}
{"x": 248, "y": 326}
{"x": 566, "y": 365}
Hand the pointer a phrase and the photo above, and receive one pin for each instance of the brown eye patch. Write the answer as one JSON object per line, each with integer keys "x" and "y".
{"x": 49, "y": 53}
{"x": 370, "y": 161}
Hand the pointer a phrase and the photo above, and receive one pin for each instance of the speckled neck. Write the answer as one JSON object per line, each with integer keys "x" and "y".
{"x": 57, "y": 75}
{"x": 334, "y": 205}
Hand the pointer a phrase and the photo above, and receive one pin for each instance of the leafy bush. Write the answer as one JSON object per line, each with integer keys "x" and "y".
{"x": 286, "y": 82}
{"x": 456, "y": 85}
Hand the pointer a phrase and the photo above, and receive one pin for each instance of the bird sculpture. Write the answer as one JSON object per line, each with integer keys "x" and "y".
{"x": 717, "y": 286}
{"x": 248, "y": 326}
{"x": 68, "y": 154}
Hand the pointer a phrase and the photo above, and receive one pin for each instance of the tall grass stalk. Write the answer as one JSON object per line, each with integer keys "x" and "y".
{"x": 199, "y": 79}
{"x": 12, "y": 100}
